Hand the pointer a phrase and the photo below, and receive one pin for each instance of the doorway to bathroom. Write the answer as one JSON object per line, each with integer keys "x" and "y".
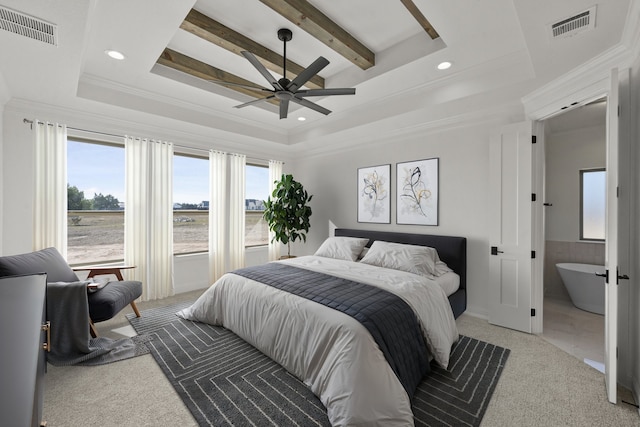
{"x": 575, "y": 200}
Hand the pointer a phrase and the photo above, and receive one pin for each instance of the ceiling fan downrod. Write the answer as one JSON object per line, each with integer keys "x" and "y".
{"x": 285, "y": 35}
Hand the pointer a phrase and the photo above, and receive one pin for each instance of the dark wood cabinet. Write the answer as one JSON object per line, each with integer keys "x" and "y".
{"x": 23, "y": 334}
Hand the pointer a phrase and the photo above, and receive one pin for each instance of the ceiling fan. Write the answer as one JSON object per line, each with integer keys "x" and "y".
{"x": 289, "y": 91}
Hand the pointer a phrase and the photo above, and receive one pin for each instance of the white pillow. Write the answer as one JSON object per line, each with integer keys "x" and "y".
{"x": 347, "y": 248}
{"x": 415, "y": 259}
{"x": 441, "y": 267}
{"x": 363, "y": 253}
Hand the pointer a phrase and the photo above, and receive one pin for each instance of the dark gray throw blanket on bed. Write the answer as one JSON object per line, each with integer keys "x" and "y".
{"x": 71, "y": 342}
{"x": 390, "y": 320}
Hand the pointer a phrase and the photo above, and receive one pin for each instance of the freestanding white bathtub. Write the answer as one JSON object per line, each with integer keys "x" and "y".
{"x": 585, "y": 288}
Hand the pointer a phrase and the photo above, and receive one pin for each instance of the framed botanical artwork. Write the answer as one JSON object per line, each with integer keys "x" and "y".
{"x": 417, "y": 192}
{"x": 374, "y": 194}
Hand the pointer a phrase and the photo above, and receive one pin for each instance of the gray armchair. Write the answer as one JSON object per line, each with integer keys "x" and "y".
{"x": 103, "y": 303}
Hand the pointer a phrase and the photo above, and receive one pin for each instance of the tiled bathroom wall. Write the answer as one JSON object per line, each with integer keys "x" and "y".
{"x": 557, "y": 252}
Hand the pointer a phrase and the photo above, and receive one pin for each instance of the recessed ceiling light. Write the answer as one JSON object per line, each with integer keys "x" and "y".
{"x": 115, "y": 54}
{"x": 444, "y": 65}
{"x": 302, "y": 119}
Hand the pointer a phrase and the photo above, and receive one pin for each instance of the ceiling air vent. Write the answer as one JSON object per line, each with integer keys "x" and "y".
{"x": 28, "y": 26}
{"x": 575, "y": 24}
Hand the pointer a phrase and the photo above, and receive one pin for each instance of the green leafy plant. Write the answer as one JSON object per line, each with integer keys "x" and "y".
{"x": 287, "y": 212}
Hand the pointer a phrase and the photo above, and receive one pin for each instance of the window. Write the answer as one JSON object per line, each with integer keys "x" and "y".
{"x": 190, "y": 204}
{"x": 95, "y": 206}
{"x": 592, "y": 204}
{"x": 256, "y": 192}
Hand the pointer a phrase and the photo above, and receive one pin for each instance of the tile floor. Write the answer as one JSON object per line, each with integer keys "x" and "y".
{"x": 575, "y": 331}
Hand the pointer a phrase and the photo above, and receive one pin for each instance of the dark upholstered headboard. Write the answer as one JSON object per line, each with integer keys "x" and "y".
{"x": 452, "y": 250}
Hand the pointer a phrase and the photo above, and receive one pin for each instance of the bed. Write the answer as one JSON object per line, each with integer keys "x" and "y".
{"x": 362, "y": 376}
{"x": 451, "y": 249}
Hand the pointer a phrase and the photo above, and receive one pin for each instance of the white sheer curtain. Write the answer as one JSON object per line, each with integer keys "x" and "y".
{"x": 217, "y": 213}
{"x": 50, "y": 196}
{"x": 275, "y": 173}
{"x": 237, "y": 173}
{"x": 148, "y": 221}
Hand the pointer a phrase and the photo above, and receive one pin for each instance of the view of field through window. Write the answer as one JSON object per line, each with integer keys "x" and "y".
{"x": 96, "y": 203}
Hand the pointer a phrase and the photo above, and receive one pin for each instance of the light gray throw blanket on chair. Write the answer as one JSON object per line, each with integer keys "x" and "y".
{"x": 71, "y": 342}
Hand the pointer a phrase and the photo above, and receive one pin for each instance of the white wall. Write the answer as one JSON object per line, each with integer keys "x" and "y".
{"x": 4, "y": 97}
{"x": 1, "y": 176}
{"x": 17, "y": 197}
{"x": 463, "y": 188}
{"x": 634, "y": 273}
{"x": 566, "y": 154}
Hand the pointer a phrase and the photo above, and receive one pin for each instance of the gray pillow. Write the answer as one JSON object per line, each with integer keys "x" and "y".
{"x": 44, "y": 261}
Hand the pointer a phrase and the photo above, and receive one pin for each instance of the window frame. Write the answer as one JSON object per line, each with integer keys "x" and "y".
{"x": 106, "y": 141}
{"x": 185, "y": 152}
{"x": 264, "y": 166}
{"x": 582, "y": 174}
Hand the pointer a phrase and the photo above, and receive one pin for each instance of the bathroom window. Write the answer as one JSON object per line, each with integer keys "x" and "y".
{"x": 593, "y": 201}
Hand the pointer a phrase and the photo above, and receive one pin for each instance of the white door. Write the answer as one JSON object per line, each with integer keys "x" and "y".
{"x": 510, "y": 189}
{"x": 611, "y": 245}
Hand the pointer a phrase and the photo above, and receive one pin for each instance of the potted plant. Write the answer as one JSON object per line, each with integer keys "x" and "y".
{"x": 287, "y": 212}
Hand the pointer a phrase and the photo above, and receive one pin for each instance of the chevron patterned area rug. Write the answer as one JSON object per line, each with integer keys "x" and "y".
{"x": 225, "y": 381}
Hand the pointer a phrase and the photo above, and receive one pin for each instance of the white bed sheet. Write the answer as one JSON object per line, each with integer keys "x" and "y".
{"x": 449, "y": 282}
{"x": 329, "y": 351}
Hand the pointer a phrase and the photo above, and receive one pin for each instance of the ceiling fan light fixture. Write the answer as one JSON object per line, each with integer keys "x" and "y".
{"x": 114, "y": 54}
{"x": 285, "y": 90}
{"x": 444, "y": 65}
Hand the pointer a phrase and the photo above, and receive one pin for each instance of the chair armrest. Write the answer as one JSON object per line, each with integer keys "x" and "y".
{"x": 98, "y": 270}
{"x": 102, "y": 267}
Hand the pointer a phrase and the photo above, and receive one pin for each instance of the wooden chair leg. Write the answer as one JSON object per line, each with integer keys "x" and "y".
{"x": 135, "y": 308}
{"x": 92, "y": 329}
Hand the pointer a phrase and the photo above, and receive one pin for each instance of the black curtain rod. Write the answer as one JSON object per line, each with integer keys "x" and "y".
{"x": 30, "y": 122}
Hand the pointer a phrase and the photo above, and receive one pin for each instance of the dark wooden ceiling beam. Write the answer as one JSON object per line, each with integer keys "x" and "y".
{"x": 316, "y": 23}
{"x": 424, "y": 22}
{"x": 223, "y": 36}
{"x": 186, "y": 64}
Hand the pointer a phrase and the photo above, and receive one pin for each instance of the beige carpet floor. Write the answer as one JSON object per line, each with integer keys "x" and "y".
{"x": 541, "y": 385}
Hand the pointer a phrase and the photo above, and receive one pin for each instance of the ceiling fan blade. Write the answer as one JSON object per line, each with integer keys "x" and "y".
{"x": 255, "y": 101}
{"x": 307, "y": 73}
{"x": 221, "y": 83}
{"x": 261, "y": 68}
{"x": 284, "y": 108}
{"x": 311, "y": 105}
{"x": 325, "y": 92}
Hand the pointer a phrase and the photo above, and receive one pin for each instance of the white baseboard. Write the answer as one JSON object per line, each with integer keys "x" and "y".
{"x": 476, "y": 314}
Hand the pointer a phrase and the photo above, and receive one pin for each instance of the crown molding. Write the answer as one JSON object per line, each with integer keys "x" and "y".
{"x": 155, "y": 127}
{"x": 116, "y": 94}
{"x": 586, "y": 82}
{"x": 383, "y": 134}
